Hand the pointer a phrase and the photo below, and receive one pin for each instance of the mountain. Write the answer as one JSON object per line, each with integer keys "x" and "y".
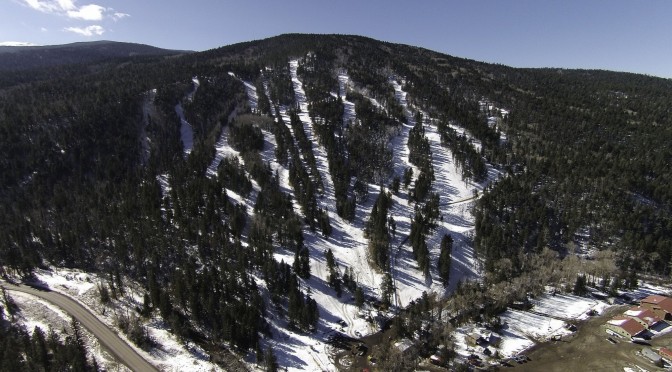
{"x": 267, "y": 193}
{"x": 14, "y": 58}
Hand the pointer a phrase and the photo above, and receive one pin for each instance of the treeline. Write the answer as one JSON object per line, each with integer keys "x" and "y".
{"x": 294, "y": 150}
{"x": 367, "y": 142}
{"x": 472, "y": 164}
{"x": 215, "y": 98}
{"x": 378, "y": 229}
{"x": 420, "y": 155}
{"x": 423, "y": 223}
{"x": 328, "y": 118}
{"x": 588, "y": 156}
{"x": 326, "y": 112}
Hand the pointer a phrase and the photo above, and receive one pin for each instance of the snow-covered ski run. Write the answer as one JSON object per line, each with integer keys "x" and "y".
{"x": 186, "y": 131}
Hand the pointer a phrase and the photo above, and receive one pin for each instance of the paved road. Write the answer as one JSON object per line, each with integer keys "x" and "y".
{"x": 118, "y": 347}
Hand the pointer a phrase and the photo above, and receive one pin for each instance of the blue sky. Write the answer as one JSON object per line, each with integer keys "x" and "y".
{"x": 621, "y": 35}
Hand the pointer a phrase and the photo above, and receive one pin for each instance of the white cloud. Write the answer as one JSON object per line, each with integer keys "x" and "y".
{"x": 117, "y": 16}
{"x": 43, "y": 29}
{"x": 51, "y": 6}
{"x": 69, "y": 8}
{"x": 66, "y": 4}
{"x": 91, "y": 12}
{"x": 86, "y": 31}
{"x": 16, "y": 43}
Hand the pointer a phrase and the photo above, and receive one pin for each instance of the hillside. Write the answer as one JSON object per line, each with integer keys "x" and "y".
{"x": 31, "y": 57}
{"x": 269, "y": 194}
{"x": 26, "y": 64}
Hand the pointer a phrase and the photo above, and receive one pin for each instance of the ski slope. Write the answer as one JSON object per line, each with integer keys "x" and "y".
{"x": 294, "y": 350}
{"x": 298, "y": 351}
{"x": 251, "y": 92}
{"x": 347, "y": 240}
{"x": 252, "y": 97}
{"x": 349, "y": 114}
{"x": 456, "y": 216}
{"x": 222, "y": 149}
{"x": 186, "y": 131}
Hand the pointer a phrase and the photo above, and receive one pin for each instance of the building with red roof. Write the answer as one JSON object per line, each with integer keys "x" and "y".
{"x": 625, "y": 326}
{"x": 660, "y": 305}
{"x": 643, "y": 315}
{"x": 666, "y": 354}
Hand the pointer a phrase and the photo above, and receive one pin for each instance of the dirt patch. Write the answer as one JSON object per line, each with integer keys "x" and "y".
{"x": 589, "y": 349}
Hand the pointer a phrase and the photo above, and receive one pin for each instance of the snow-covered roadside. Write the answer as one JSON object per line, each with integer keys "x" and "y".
{"x": 35, "y": 312}
{"x": 169, "y": 354}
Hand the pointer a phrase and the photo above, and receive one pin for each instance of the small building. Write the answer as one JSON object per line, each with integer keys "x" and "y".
{"x": 625, "y": 326}
{"x": 651, "y": 355}
{"x": 666, "y": 354}
{"x": 643, "y": 316}
{"x": 404, "y": 346}
{"x": 480, "y": 337}
{"x": 436, "y": 360}
{"x": 660, "y": 305}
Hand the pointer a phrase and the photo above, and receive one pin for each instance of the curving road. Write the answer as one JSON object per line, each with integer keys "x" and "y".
{"x": 118, "y": 347}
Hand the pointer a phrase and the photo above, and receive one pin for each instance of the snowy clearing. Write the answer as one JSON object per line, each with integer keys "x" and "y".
{"x": 546, "y": 320}
{"x": 567, "y": 306}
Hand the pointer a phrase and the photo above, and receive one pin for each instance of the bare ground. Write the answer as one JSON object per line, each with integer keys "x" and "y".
{"x": 589, "y": 350}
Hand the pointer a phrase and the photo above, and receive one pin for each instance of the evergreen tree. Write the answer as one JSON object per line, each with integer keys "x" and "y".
{"x": 408, "y": 177}
{"x": 387, "y": 290}
{"x": 377, "y": 231}
{"x": 445, "y": 259}
{"x": 333, "y": 278}
{"x": 580, "y": 287}
{"x": 359, "y": 297}
{"x": 301, "y": 263}
{"x": 270, "y": 362}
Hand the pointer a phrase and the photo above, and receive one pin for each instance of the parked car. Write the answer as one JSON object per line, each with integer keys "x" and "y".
{"x": 520, "y": 359}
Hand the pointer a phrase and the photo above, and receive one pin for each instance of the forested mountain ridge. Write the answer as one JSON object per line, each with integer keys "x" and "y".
{"x": 24, "y": 64}
{"x": 30, "y": 57}
{"x": 248, "y": 187}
